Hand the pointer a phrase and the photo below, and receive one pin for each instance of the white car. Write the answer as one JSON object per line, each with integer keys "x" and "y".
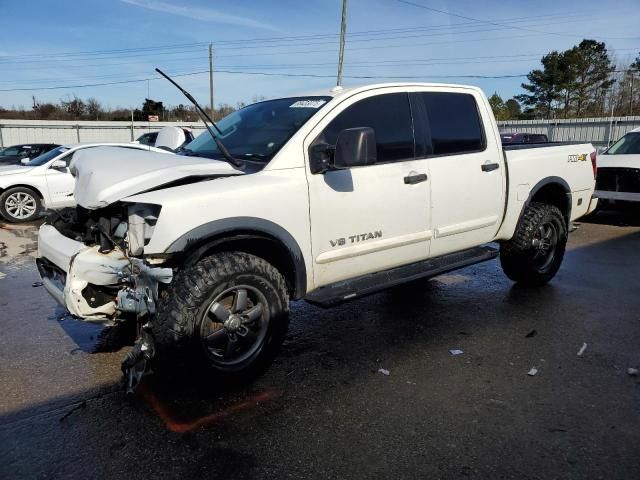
{"x": 44, "y": 182}
{"x": 619, "y": 170}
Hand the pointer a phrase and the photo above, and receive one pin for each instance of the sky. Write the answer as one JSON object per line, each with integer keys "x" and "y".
{"x": 279, "y": 48}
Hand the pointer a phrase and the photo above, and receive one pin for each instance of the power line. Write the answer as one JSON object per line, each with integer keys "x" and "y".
{"x": 262, "y": 40}
{"x": 381, "y": 63}
{"x": 278, "y": 74}
{"x": 154, "y": 51}
{"x": 503, "y": 25}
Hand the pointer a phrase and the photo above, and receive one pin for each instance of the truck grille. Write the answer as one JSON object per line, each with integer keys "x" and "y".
{"x": 618, "y": 179}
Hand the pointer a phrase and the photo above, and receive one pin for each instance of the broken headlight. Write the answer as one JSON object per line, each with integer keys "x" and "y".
{"x": 142, "y": 218}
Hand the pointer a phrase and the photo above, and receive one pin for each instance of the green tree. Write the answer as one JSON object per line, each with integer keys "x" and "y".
{"x": 149, "y": 107}
{"x": 497, "y": 105}
{"x": 545, "y": 86}
{"x": 590, "y": 74}
{"x": 514, "y": 109}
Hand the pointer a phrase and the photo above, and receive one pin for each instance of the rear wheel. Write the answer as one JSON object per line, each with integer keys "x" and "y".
{"x": 230, "y": 310}
{"x": 20, "y": 204}
{"x": 534, "y": 254}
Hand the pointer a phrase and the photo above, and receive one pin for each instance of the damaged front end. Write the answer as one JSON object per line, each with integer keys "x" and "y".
{"x": 91, "y": 262}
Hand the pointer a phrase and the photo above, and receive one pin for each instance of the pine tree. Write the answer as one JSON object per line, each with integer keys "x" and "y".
{"x": 545, "y": 86}
{"x": 591, "y": 71}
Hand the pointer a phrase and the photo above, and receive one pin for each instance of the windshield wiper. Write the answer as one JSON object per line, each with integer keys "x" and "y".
{"x": 204, "y": 117}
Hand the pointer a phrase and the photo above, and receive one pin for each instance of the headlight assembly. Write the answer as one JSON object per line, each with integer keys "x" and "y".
{"x": 142, "y": 219}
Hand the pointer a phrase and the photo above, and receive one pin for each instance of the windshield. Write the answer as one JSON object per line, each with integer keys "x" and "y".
{"x": 627, "y": 145}
{"x": 45, "y": 157}
{"x": 258, "y": 131}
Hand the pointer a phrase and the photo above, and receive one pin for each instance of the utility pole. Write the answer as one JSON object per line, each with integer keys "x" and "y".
{"x": 211, "y": 78}
{"x": 631, "y": 95}
{"x": 343, "y": 30}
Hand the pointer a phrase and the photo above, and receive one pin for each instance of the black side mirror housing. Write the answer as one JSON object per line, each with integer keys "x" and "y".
{"x": 320, "y": 157}
{"x": 355, "y": 147}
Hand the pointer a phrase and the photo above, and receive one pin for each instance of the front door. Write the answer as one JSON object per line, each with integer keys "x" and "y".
{"x": 60, "y": 184}
{"x": 371, "y": 218}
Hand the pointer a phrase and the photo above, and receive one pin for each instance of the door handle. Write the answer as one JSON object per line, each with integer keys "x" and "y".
{"x": 415, "y": 178}
{"x": 489, "y": 167}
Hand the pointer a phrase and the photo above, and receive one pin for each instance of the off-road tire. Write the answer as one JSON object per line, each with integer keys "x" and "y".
{"x": 183, "y": 305}
{"x": 518, "y": 255}
{"x": 16, "y": 191}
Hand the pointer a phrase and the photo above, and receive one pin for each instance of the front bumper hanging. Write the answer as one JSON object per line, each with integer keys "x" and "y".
{"x": 103, "y": 287}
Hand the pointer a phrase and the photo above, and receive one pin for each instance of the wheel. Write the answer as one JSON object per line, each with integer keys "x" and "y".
{"x": 534, "y": 254}
{"x": 20, "y": 204}
{"x": 231, "y": 309}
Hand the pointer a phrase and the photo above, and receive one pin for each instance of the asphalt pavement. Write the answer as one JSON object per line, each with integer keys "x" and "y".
{"x": 324, "y": 409}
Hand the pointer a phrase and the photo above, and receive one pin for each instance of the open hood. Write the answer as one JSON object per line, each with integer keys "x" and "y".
{"x": 107, "y": 174}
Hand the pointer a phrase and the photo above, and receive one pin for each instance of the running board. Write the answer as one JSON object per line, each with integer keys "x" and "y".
{"x": 345, "y": 290}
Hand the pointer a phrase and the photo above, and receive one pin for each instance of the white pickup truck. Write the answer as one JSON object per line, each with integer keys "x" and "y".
{"x": 324, "y": 197}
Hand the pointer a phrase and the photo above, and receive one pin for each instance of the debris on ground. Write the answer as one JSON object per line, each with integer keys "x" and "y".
{"x": 532, "y": 372}
{"x": 37, "y": 284}
{"x": 632, "y": 371}
{"x": 456, "y": 352}
{"x": 384, "y": 371}
{"x": 532, "y": 333}
{"x": 582, "y": 349}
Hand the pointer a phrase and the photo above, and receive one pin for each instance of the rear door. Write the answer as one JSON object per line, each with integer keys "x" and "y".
{"x": 467, "y": 170}
{"x": 370, "y": 218}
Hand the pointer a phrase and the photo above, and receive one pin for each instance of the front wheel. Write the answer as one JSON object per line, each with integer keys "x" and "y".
{"x": 20, "y": 204}
{"x": 230, "y": 309}
{"x": 534, "y": 254}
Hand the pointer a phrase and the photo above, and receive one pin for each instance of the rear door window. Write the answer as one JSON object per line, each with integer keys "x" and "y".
{"x": 390, "y": 117}
{"x": 454, "y": 123}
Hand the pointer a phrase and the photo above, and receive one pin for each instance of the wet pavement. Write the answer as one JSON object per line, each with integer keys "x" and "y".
{"x": 323, "y": 410}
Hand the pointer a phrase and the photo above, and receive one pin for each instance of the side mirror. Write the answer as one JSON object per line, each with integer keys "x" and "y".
{"x": 320, "y": 157}
{"x": 59, "y": 165}
{"x": 355, "y": 147}
{"x": 24, "y": 161}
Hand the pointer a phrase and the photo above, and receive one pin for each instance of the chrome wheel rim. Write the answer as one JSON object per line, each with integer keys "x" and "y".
{"x": 20, "y": 205}
{"x": 234, "y": 325}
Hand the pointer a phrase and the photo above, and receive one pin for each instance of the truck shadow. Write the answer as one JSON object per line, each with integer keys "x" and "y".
{"x": 623, "y": 217}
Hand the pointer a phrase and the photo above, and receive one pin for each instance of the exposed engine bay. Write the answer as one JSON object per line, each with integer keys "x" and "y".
{"x": 106, "y": 280}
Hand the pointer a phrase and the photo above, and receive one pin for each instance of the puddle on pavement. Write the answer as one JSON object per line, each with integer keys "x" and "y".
{"x": 94, "y": 338}
{"x": 18, "y": 244}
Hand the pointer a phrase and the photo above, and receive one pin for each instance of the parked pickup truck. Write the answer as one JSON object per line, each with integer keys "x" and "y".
{"x": 324, "y": 197}
{"x": 618, "y": 179}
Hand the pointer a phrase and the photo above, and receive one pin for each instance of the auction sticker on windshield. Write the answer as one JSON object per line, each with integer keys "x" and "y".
{"x": 308, "y": 104}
